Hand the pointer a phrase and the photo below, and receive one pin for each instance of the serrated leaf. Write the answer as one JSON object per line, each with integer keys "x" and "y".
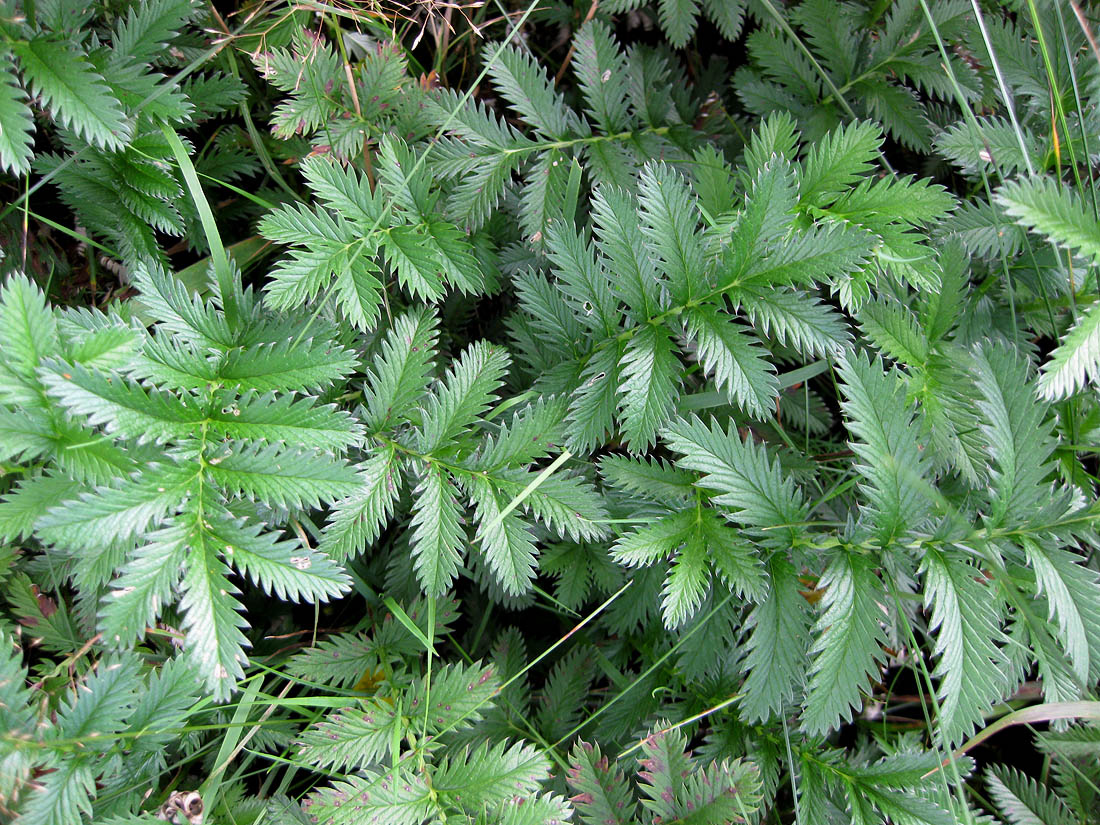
{"x": 357, "y": 520}
{"x": 650, "y": 385}
{"x": 603, "y": 796}
{"x": 734, "y": 359}
{"x": 287, "y": 366}
{"x": 505, "y": 540}
{"x": 73, "y": 91}
{"x": 352, "y": 737}
{"x": 778, "y": 643}
{"x": 280, "y": 478}
{"x": 16, "y": 123}
{"x": 1076, "y": 360}
{"x": 398, "y": 376}
{"x": 746, "y": 479}
{"x": 669, "y": 215}
{"x": 122, "y": 407}
{"x": 211, "y": 613}
{"x": 437, "y": 538}
{"x": 972, "y": 668}
{"x": 850, "y": 639}
{"x": 467, "y": 390}
{"x": 148, "y": 578}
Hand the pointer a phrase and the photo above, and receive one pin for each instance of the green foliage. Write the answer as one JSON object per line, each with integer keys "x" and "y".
{"x": 836, "y": 61}
{"x": 400, "y": 441}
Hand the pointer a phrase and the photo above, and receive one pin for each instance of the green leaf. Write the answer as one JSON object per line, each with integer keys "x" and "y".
{"x": 357, "y": 520}
{"x": 352, "y": 737}
{"x": 602, "y": 795}
{"x": 664, "y": 765}
{"x": 16, "y": 123}
{"x": 669, "y": 215}
{"x": 1072, "y": 593}
{"x": 287, "y": 366}
{"x": 283, "y": 568}
{"x": 849, "y": 647}
{"x": 747, "y": 481}
{"x": 524, "y": 84}
{"x": 678, "y": 19}
{"x": 118, "y": 513}
{"x": 1049, "y": 207}
{"x": 655, "y": 541}
{"x": 122, "y": 407}
{"x": 283, "y": 419}
{"x": 893, "y": 464}
{"x": 398, "y": 376}
{"x": 1023, "y": 801}
{"x": 620, "y": 240}
{"x": 895, "y": 331}
{"x": 212, "y": 614}
{"x": 592, "y": 408}
{"x": 734, "y": 359}
{"x": 778, "y": 642}
{"x": 490, "y": 774}
{"x": 602, "y": 75}
{"x": 688, "y": 580}
{"x": 839, "y": 160}
{"x": 28, "y": 335}
{"x": 505, "y": 540}
{"x": 795, "y": 318}
{"x": 73, "y": 91}
{"x": 343, "y": 190}
{"x": 1076, "y": 359}
{"x": 649, "y": 385}
{"x": 146, "y": 30}
{"x": 437, "y": 538}
{"x": 280, "y": 478}
{"x": 399, "y": 797}
{"x": 144, "y": 587}
{"x": 972, "y": 668}
{"x": 468, "y": 389}
{"x": 416, "y": 267}
{"x": 457, "y": 696}
{"x": 1017, "y": 432}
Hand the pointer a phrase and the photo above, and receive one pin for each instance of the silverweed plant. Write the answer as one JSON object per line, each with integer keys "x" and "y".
{"x": 612, "y": 413}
